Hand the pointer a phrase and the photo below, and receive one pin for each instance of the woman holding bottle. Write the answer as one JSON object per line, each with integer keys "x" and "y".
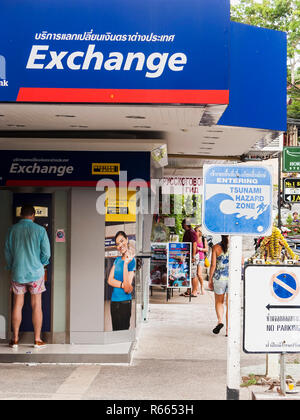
{"x": 121, "y": 278}
{"x": 202, "y": 248}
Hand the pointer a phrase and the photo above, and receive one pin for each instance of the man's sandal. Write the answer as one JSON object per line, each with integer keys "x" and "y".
{"x": 14, "y": 344}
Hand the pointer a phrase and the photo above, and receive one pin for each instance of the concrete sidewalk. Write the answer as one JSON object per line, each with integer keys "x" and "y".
{"x": 179, "y": 335}
{"x": 176, "y": 357}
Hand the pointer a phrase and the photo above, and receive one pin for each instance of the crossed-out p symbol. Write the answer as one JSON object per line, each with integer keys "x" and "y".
{"x": 285, "y": 286}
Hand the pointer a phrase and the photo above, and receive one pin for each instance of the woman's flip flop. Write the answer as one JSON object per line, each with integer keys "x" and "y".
{"x": 218, "y": 328}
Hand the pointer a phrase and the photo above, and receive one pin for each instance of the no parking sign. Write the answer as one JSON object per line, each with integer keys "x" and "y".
{"x": 272, "y": 309}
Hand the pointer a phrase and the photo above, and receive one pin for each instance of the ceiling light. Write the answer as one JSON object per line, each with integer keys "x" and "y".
{"x": 141, "y": 126}
{"x": 65, "y": 116}
{"x": 79, "y": 126}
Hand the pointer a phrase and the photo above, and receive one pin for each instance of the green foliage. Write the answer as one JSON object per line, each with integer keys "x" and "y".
{"x": 178, "y": 226}
{"x": 182, "y": 207}
{"x": 281, "y": 15}
{"x": 294, "y": 227}
{"x": 249, "y": 380}
{"x": 294, "y": 109}
{"x": 289, "y": 219}
{"x": 294, "y": 99}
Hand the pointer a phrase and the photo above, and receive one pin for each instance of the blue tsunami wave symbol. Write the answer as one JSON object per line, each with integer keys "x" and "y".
{"x": 216, "y": 221}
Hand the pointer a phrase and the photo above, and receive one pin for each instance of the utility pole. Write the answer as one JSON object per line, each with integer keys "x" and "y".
{"x": 234, "y": 318}
{"x": 279, "y": 190}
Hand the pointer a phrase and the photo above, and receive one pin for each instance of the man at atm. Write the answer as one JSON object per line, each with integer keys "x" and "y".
{"x": 27, "y": 251}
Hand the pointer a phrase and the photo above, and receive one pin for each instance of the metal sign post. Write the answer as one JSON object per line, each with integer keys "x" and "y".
{"x": 282, "y": 374}
{"x": 234, "y": 318}
{"x": 237, "y": 201}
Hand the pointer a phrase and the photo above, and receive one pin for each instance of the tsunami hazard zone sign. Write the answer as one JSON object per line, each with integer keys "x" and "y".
{"x": 237, "y": 200}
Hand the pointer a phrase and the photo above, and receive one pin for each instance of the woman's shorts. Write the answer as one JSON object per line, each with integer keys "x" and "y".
{"x": 201, "y": 263}
{"x": 35, "y": 288}
{"x": 220, "y": 287}
{"x": 194, "y": 266}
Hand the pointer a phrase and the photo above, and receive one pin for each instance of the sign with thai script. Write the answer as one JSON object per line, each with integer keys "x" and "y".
{"x": 237, "y": 199}
{"x": 115, "y": 51}
{"x": 182, "y": 185}
{"x": 76, "y": 168}
{"x": 272, "y": 309}
{"x": 291, "y": 159}
{"x": 291, "y": 190}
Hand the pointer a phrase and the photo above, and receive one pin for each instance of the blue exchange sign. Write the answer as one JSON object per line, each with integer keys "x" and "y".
{"x": 116, "y": 51}
{"x": 237, "y": 199}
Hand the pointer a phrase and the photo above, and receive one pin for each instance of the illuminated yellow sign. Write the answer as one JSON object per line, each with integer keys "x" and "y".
{"x": 105, "y": 168}
{"x": 39, "y": 211}
{"x": 120, "y": 205}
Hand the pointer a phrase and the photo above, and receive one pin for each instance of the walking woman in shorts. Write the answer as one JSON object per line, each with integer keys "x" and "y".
{"x": 218, "y": 280}
{"x": 121, "y": 278}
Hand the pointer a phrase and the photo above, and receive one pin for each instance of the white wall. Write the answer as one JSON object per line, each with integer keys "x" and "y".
{"x": 86, "y": 268}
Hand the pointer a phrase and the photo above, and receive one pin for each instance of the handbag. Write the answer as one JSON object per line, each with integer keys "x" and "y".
{"x": 206, "y": 260}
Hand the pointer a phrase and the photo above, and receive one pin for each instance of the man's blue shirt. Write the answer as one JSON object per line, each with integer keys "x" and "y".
{"x": 27, "y": 251}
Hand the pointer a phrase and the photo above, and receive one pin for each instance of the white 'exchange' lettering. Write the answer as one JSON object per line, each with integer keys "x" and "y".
{"x": 37, "y": 169}
{"x": 42, "y": 58}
